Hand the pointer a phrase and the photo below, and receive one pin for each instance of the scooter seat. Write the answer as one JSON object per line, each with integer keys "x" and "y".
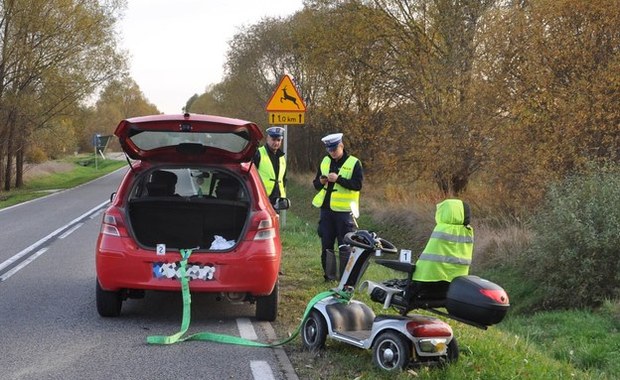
{"x": 397, "y": 265}
{"x": 407, "y": 295}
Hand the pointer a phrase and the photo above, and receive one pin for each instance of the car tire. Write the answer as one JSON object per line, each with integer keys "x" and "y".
{"x": 108, "y": 303}
{"x": 391, "y": 351}
{"x": 267, "y": 306}
{"x": 314, "y": 331}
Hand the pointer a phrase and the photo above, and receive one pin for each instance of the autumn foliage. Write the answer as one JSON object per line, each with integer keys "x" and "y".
{"x": 55, "y": 57}
{"x": 510, "y": 95}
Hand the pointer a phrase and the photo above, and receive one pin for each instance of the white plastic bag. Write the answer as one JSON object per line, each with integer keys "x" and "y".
{"x": 219, "y": 243}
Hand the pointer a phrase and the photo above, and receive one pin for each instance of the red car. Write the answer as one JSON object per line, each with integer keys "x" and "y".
{"x": 192, "y": 186}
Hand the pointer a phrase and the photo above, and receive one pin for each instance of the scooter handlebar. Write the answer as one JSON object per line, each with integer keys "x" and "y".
{"x": 368, "y": 240}
{"x": 361, "y": 239}
{"x": 387, "y": 246}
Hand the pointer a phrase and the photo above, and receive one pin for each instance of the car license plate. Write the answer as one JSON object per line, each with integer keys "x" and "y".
{"x": 193, "y": 271}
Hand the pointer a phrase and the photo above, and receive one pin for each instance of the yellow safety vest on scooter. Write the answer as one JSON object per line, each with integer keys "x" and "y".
{"x": 341, "y": 197}
{"x": 448, "y": 252}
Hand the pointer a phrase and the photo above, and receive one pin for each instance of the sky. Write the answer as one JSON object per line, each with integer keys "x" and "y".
{"x": 178, "y": 47}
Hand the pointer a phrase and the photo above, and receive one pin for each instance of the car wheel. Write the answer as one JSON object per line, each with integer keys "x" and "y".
{"x": 314, "y": 331}
{"x": 267, "y": 306}
{"x": 391, "y": 351}
{"x": 108, "y": 303}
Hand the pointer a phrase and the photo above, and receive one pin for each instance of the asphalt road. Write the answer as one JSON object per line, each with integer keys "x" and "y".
{"x": 49, "y": 326}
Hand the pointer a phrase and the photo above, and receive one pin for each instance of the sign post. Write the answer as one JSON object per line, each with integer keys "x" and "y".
{"x": 100, "y": 143}
{"x": 96, "y": 144}
{"x": 285, "y": 107}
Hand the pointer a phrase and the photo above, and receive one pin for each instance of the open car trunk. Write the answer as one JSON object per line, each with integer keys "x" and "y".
{"x": 189, "y": 217}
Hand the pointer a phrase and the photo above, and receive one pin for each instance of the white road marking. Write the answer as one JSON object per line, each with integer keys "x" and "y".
{"x": 93, "y": 216}
{"x": 261, "y": 370}
{"x": 246, "y": 330}
{"x": 70, "y": 231}
{"x": 27, "y": 251}
{"x": 22, "y": 264}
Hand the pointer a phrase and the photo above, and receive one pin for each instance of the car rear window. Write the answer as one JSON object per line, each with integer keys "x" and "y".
{"x": 231, "y": 142}
{"x": 204, "y": 182}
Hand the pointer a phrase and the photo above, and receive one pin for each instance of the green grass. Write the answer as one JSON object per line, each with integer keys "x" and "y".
{"x": 588, "y": 340}
{"x": 84, "y": 170}
{"x": 559, "y": 345}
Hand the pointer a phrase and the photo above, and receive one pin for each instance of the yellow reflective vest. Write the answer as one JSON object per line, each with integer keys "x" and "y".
{"x": 268, "y": 174}
{"x": 341, "y": 197}
{"x": 448, "y": 252}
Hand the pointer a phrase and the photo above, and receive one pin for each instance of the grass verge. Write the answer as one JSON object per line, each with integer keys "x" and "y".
{"x": 521, "y": 347}
{"x": 84, "y": 169}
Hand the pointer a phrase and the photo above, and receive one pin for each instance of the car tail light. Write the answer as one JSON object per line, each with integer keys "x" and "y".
{"x": 113, "y": 224}
{"x": 263, "y": 226}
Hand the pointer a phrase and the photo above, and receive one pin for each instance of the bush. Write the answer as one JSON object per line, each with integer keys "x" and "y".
{"x": 574, "y": 256}
{"x": 35, "y": 155}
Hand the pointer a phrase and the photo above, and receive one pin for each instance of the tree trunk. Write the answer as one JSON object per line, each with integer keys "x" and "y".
{"x": 19, "y": 167}
{"x": 2, "y": 153}
{"x": 10, "y": 140}
{"x": 8, "y": 167}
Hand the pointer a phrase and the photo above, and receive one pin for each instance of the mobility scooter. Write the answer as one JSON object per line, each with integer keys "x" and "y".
{"x": 398, "y": 341}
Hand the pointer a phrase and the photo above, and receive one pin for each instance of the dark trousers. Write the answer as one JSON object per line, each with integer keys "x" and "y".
{"x": 332, "y": 228}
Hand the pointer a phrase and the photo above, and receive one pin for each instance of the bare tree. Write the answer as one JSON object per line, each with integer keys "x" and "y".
{"x": 53, "y": 55}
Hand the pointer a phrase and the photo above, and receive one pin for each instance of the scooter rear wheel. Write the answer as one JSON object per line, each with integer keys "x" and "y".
{"x": 451, "y": 357}
{"x": 453, "y": 351}
{"x": 391, "y": 351}
{"x": 314, "y": 331}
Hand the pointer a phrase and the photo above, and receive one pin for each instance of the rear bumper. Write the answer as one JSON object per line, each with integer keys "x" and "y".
{"x": 253, "y": 271}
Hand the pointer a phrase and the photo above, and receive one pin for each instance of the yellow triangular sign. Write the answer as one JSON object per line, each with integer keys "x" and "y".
{"x": 286, "y": 98}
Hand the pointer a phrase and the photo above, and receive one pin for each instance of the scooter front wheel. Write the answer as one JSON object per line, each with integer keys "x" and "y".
{"x": 314, "y": 331}
{"x": 391, "y": 351}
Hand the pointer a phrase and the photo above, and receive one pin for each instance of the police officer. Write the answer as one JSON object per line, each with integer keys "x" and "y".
{"x": 338, "y": 181}
{"x": 271, "y": 164}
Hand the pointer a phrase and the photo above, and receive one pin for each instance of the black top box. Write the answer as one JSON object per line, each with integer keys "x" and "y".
{"x": 478, "y": 300}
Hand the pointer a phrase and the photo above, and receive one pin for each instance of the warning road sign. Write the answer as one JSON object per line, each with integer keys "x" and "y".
{"x": 286, "y": 98}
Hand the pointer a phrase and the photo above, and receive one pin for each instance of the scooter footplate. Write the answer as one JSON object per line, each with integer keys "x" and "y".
{"x": 354, "y": 316}
{"x": 357, "y": 335}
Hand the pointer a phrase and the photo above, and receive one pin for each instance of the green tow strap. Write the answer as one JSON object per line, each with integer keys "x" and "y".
{"x": 222, "y": 338}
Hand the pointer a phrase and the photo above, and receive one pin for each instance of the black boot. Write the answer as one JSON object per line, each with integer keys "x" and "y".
{"x": 328, "y": 260}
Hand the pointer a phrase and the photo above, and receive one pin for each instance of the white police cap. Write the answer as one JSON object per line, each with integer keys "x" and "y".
{"x": 331, "y": 141}
{"x": 275, "y": 132}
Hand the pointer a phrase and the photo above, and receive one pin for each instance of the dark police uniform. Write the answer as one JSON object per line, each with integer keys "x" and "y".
{"x": 335, "y": 221}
